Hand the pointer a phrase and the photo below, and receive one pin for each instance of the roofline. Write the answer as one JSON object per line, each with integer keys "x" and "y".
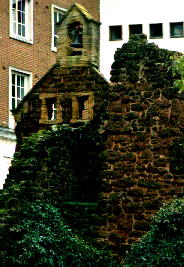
{"x": 78, "y": 8}
{"x": 14, "y": 111}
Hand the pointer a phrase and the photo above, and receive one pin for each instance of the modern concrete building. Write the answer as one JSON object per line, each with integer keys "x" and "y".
{"x": 162, "y": 21}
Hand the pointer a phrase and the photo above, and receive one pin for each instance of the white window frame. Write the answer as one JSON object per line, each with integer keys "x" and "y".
{"x": 28, "y": 38}
{"x": 27, "y": 86}
{"x": 53, "y": 9}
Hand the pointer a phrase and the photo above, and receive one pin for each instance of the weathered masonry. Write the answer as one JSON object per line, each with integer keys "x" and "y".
{"x": 145, "y": 127}
{"x": 142, "y": 123}
{"x": 72, "y": 91}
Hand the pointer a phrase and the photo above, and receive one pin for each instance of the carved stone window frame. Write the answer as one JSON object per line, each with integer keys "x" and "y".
{"x": 84, "y": 115}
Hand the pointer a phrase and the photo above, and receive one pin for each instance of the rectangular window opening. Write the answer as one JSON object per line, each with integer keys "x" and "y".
{"x": 57, "y": 14}
{"x": 21, "y": 20}
{"x": 135, "y": 29}
{"x": 18, "y": 88}
{"x": 83, "y": 107}
{"x": 156, "y": 30}
{"x": 20, "y": 83}
{"x": 52, "y": 108}
{"x": 177, "y": 29}
{"x": 115, "y": 33}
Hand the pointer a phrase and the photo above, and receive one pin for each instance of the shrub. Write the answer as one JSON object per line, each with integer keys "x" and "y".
{"x": 164, "y": 244}
{"x": 45, "y": 240}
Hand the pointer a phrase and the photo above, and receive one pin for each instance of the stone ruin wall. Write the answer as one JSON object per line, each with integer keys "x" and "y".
{"x": 146, "y": 115}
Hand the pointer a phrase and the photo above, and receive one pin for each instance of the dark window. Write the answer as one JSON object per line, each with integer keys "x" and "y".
{"x": 176, "y": 29}
{"x": 83, "y": 106}
{"x": 75, "y": 31}
{"x": 52, "y": 108}
{"x": 66, "y": 105}
{"x": 156, "y": 30}
{"x": 135, "y": 29}
{"x": 115, "y": 33}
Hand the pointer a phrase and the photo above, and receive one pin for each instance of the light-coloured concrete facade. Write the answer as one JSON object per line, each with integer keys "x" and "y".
{"x": 7, "y": 148}
{"x": 132, "y": 12}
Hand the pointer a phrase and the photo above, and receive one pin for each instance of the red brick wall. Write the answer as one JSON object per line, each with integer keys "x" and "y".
{"x": 37, "y": 57}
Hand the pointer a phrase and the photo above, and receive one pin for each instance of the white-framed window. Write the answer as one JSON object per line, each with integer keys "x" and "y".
{"x": 21, "y": 20}
{"x": 20, "y": 82}
{"x": 176, "y": 29}
{"x": 56, "y": 16}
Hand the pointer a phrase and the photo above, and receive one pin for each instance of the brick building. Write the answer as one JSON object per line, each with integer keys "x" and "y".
{"x": 28, "y": 50}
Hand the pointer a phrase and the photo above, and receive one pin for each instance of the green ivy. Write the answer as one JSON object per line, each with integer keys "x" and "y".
{"x": 163, "y": 245}
{"x": 43, "y": 239}
{"x": 178, "y": 71}
{"x": 63, "y": 162}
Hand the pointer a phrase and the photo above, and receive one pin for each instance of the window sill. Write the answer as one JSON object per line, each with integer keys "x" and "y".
{"x": 53, "y": 49}
{"x": 115, "y": 40}
{"x": 177, "y": 36}
{"x": 156, "y": 37}
{"x": 21, "y": 39}
{"x": 51, "y": 122}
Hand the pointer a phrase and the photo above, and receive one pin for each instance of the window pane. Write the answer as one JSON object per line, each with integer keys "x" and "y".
{"x": 135, "y": 29}
{"x": 18, "y": 80}
{"x": 156, "y": 30}
{"x": 14, "y": 14}
{"x": 22, "y": 92}
{"x": 60, "y": 18}
{"x": 13, "y": 103}
{"x": 19, "y": 4}
{"x": 115, "y": 33}
{"x": 18, "y": 92}
{"x": 14, "y": 28}
{"x": 23, "y": 5}
{"x": 13, "y": 3}
{"x": 23, "y": 17}
{"x": 13, "y": 79}
{"x": 19, "y": 29}
{"x": 23, "y": 31}
{"x": 55, "y": 17}
{"x": 176, "y": 29}
{"x": 19, "y": 16}
{"x": 22, "y": 81}
{"x": 55, "y": 41}
{"x": 13, "y": 90}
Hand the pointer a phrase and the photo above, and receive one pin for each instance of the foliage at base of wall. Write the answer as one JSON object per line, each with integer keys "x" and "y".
{"x": 41, "y": 238}
{"x": 62, "y": 164}
{"x": 164, "y": 244}
{"x": 178, "y": 71}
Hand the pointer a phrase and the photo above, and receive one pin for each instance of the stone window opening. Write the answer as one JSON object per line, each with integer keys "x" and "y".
{"x": 52, "y": 108}
{"x": 83, "y": 107}
{"x": 68, "y": 108}
{"x": 66, "y": 105}
{"x": 75, "y": 31}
